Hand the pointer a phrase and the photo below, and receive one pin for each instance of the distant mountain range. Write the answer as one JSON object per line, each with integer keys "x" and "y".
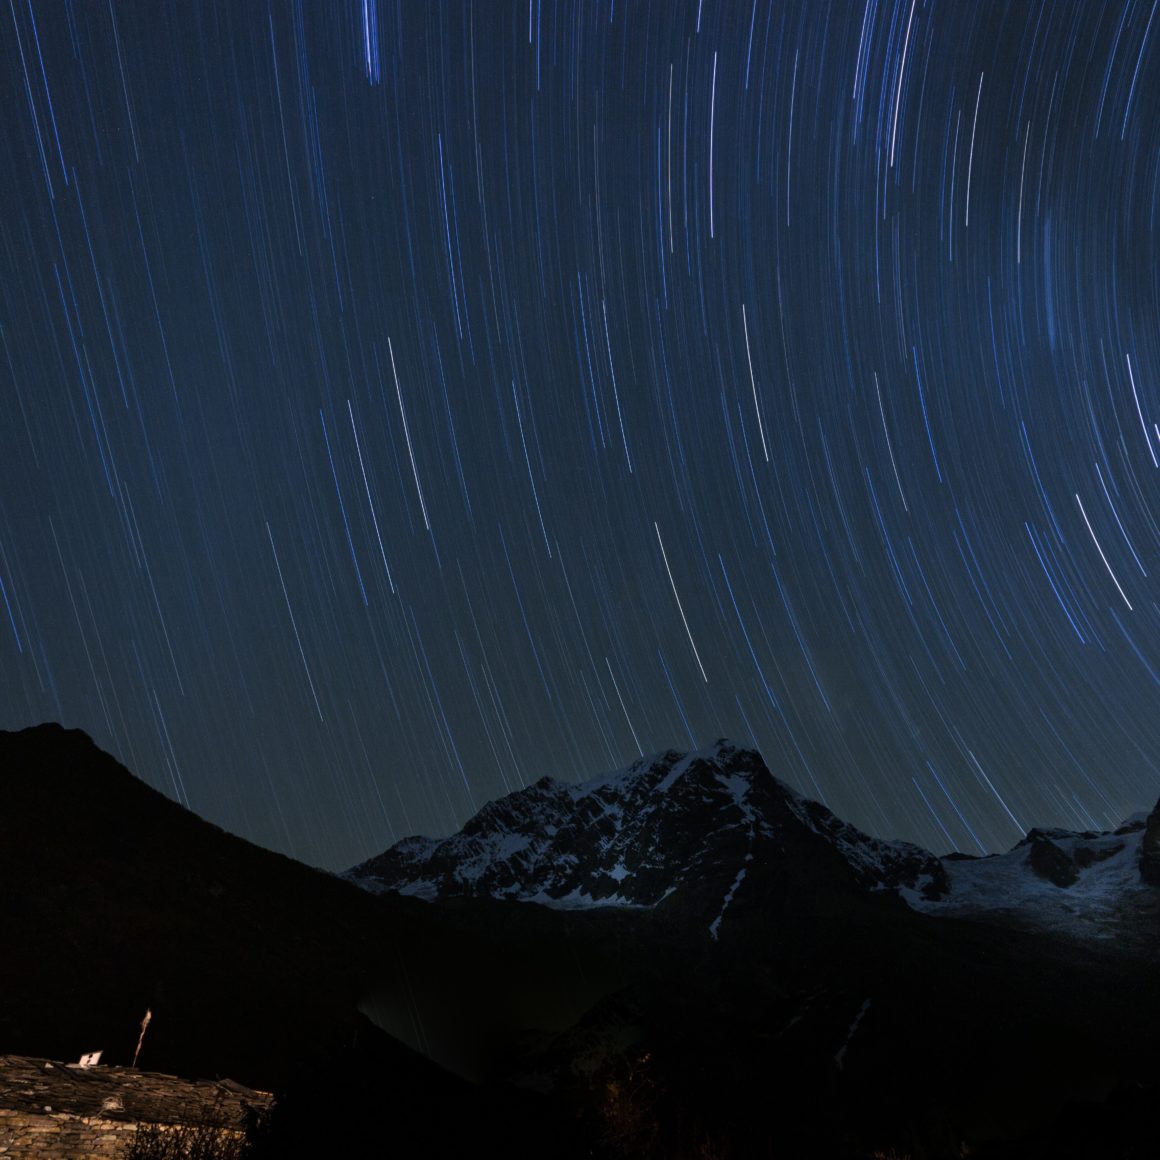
{"x": 710, "y": 825}
{"x": 682, "y": 959}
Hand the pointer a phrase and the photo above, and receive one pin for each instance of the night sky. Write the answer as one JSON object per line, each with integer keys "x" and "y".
{"x": 402, "y": 402}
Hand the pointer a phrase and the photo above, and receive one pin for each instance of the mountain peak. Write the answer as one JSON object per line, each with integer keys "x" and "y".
{"x": 693, "y": 822}
{"x": 661, "y": 771}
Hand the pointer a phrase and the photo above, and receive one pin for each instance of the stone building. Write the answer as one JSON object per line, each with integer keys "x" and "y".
{"x": 63, "y": 1111}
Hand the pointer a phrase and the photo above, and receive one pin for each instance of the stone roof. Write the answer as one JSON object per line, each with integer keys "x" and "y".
{"x": 33, "y": 1085}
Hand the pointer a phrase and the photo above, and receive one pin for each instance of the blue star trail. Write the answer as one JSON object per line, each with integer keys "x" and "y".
{"x": 402, "y": 402}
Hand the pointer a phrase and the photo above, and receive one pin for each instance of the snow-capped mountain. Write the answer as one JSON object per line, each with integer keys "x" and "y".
{"x": 1084, "y": 885}
{"x": 702, "y": 823}
{"x": 674, "y": 822}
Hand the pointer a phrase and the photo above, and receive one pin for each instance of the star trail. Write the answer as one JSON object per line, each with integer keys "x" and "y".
{"x": 400, "y": 402}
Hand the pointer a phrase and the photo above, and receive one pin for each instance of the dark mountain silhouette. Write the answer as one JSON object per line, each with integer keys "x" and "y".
{"x": 114, "y": 899}
{"x": 683, "y": 959}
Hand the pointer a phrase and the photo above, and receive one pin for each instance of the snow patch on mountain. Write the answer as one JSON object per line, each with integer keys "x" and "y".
{"x": 670, "y": 779}
{"x": 840, "y": 1054}
{"x": 1072, "y": 883}
{"x": 715, "y": 925}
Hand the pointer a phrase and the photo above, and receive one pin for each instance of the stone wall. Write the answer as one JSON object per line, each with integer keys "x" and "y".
{"x": 53, "y": 1135}
{"x": 54, "y": 1111}
{"x": 61, "y": 1136}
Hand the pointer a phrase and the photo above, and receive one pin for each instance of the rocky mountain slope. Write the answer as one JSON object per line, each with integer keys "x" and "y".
{"x": 701, "y": 823}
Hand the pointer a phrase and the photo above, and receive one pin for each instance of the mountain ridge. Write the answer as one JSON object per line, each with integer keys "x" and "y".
{"x": 620, "y": 821}
{"x": 698, "y": 821}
